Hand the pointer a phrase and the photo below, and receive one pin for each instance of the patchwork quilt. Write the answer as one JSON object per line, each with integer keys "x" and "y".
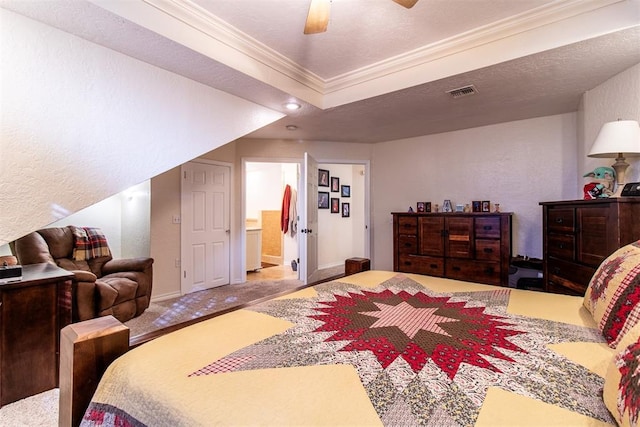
{"x": 376, "y": 348}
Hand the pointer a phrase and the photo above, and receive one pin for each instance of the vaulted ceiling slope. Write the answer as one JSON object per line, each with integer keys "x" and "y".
{"x": 380, "y": 72}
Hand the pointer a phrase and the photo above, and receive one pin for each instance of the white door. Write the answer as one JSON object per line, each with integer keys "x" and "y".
{"x": 205, "y": 226}
{"x": 308, "y": 195}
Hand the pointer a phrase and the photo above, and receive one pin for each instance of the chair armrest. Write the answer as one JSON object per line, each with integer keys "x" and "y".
{"x": 126, "y": 264}
{"x": 84, "y": 298}
{"x": 84, "y": 276}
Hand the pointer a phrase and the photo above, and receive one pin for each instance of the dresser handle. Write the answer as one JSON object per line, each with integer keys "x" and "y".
{"x": 489, "y": 270}
{"x": 559, "y": 220}
{"x": 407, "y": 263}
{"x": 488, "y": 250}
{"x": 433, "y": 266}
{"x": 561, "y": 246}
{"x": 556, "y": 270}
{"x": 487, "y": 227}
{"x": 455, "y": 268}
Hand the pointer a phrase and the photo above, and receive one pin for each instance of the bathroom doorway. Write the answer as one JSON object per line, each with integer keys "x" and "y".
{"x": 340, "y": 236}
{"x": 271, "y": 239}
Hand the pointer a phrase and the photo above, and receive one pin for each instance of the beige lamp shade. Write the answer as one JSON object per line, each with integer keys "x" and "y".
{"x": 622, "y": 136}
{"x": 616, "y": 140}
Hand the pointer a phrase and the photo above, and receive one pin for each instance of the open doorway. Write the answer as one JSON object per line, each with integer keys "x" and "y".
{"x": 342, "y": 233}
{"x": 271, "y": 238}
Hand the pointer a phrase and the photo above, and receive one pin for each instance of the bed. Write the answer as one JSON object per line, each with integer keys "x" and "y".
{"x": 383, "y": 348}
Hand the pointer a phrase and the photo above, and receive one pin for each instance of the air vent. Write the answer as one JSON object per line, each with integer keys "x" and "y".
{"x": 462, "y": 91}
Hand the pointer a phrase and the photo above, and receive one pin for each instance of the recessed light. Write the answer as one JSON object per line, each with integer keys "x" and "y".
{"x": 292, "y": 106}
{"x": 292, "y": 127}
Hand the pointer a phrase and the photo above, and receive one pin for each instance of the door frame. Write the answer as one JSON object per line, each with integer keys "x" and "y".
{"x": 367, "y": 196}
{"x": 232, "y": 225}
{"x": 299, "y": 161}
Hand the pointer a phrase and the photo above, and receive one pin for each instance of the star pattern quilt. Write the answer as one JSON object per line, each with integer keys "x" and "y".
{"x": 377, "y": 348}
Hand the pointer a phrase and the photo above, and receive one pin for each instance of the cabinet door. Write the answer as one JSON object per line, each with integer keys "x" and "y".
{"x": 597, "y": 237}
{"x": 459, "y": 237}
{"x": 29, "y": 341}
{"x": 431, "y": 229}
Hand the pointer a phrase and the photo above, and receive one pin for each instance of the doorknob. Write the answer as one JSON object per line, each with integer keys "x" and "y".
{"x": 227, "y": 231}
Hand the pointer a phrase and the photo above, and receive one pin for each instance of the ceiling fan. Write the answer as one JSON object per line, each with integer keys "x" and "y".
{"x": 318, "y": 17}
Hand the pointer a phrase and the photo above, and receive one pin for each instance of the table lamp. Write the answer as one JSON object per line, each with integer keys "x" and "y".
{"x": 615, "y": 140}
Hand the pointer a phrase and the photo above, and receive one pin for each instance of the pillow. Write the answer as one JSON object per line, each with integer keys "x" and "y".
{"x": 621, "y": 393}
{"x": 613, "y": 293}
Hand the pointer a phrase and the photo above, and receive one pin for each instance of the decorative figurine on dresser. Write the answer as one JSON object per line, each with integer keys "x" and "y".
{"x": 579, "y": 234}
{"x": 458, "y": 245}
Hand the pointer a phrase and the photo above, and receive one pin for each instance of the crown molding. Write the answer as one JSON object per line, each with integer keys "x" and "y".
{"x": 534, "y": 18}
{"x": 203, "y": 21}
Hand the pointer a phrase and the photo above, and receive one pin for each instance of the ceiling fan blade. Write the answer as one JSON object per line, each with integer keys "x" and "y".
{"x": 318, "y": 17}
{"x": 406, "y": 3}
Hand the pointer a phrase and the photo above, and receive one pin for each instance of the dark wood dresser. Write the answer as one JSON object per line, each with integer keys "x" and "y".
{"x": 32, "y": 312}
{"x": 466, "y": 246}
{"x": 579, "y": 234}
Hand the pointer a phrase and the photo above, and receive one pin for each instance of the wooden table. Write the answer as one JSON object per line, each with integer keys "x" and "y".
{"x": 32, "y": 312}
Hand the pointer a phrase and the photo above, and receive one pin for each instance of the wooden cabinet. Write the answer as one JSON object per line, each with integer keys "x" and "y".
{"x": 465, "y": 246}
{"x": 253, "y": 243}
{"x": 32, "y": 312}
{"x": 579, "y": 234}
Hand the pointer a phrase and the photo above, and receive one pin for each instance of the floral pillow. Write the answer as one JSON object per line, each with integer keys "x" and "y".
{"x": 621, "y": 393}
{"x": 613, "y": 295}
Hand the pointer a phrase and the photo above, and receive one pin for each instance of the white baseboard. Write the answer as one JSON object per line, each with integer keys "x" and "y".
{"x": 165, "y": 297}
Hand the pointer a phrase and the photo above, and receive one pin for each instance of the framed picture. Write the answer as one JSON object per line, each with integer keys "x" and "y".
{"x": 427, "y": 207}
{"x": 345, "y": 190}
{"x": 476, "y": 206}
{"x": 446, "y": 206}
{"x": 323, "y": 178}
{"x": 345, "y": 210}
{"x": 486, "y": 206}
{"x": 459, "y": 208}
{"x": 335, "y": 205}
{"x": 323, "y": 200}
{"x": 335, "y": 184}
{"x": 421, "y": 206}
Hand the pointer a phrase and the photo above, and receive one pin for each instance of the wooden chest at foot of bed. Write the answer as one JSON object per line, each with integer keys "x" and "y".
{"x": 356, "y": 265}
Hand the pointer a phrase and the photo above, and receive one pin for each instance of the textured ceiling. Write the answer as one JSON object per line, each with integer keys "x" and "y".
{"x": 361, "y": 34}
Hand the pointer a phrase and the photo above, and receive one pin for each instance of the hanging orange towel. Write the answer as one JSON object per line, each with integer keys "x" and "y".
{"x": 284, "y": 213}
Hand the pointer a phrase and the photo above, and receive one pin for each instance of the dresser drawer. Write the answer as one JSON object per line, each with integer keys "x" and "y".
{"x": 561, "y": 246}
{"x": 561, "y": 220}
{"x": 407, "y": 225}
{"x": 421, "y": 265}
{"x": 474, "y": 271}
{"x": 488, "y": 250}
{"x": 407, "y": 244}
{"x": 487, "y": 228}
{"x": 570, "y": 275}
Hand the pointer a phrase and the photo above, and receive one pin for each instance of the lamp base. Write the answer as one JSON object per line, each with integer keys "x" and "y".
{"x": 620, "y": 166}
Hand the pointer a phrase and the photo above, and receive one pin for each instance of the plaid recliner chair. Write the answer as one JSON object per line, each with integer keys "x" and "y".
{"x": 102, "y": 285}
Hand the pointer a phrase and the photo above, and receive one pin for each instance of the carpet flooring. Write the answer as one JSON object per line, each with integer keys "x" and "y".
{"x": 42, "y": 409}
{"x": 197, "y": 304}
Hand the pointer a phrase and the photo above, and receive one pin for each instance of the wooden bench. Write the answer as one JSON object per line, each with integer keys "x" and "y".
{"x": 356, "y": 265}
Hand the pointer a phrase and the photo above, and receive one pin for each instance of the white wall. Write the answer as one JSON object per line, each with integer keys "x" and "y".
{"x": 617, "y": 98}
{"x": 340, "y": 238}
{"x": 81, "y": 123}
{"x": 517, "y": 164}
